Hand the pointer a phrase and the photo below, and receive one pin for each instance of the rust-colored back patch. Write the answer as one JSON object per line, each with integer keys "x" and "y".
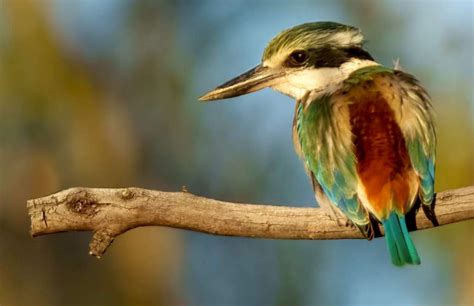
{"x": 383, "y": 163}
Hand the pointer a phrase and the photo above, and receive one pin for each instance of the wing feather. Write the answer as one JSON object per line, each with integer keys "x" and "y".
{"x": 417, "y": 122}
{"x": 324, "y": 140}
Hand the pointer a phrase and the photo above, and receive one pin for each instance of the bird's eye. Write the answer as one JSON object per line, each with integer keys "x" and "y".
{"x": 298, "y": 57}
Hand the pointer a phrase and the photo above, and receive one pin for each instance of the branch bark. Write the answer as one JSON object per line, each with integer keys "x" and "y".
{"x": 110, "y": 212}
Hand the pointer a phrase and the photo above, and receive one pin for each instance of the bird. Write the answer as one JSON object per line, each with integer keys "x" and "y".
{"x": 365, "y": 132}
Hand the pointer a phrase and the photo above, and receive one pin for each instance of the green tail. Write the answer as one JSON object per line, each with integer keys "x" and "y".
{"x": 401, "y": 247}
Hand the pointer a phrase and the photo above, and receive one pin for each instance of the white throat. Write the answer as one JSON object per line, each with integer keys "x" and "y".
{"x": 319, "y": 81}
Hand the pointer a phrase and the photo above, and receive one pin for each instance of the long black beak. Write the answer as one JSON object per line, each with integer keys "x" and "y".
{"x": 255, "y": 79}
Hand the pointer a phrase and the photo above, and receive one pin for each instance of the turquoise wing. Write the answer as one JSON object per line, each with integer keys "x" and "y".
{"x": 419, "y": 133}
{"x": 424, "y": 164}
{"x": 331, "y": 163}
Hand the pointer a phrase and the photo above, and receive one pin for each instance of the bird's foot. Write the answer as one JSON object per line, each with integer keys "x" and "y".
{"x": 350, "y": 224}
{"x": 430, "y": 214}
{"x": 340, "y": 220}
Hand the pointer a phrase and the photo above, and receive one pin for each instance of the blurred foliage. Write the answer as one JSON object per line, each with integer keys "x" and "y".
{"x": 104, "y": 94}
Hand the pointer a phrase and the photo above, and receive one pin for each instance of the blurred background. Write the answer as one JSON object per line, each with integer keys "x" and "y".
{"x": 104, "y": 94}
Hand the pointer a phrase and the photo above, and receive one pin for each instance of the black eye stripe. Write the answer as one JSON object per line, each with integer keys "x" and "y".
{"x": 327, "y": 56}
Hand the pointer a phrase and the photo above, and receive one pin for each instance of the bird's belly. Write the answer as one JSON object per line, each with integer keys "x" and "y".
{"x": 383, "y": 164}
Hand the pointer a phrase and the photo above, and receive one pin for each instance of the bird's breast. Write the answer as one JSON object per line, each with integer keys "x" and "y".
{"x": 383, "y": 163}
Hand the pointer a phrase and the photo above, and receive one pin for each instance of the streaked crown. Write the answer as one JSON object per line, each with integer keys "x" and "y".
{"x": 314, "y": 36}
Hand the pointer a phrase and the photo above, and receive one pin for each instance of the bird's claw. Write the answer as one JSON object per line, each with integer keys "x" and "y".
{"x": 339, "y": 220}
{"x": 350, "y": 224}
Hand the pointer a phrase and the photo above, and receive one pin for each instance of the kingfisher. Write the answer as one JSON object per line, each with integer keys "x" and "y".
{"x": 365, "y": 132}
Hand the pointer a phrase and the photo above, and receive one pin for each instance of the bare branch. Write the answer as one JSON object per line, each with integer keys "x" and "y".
{"x": 110, "y": 212}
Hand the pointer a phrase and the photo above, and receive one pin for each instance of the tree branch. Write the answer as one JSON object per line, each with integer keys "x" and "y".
{"x": 111, "y": 212}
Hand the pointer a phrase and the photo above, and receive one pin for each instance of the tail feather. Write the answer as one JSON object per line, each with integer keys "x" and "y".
{"x": 401, "y": 247}
{"x": 415, "y": 259}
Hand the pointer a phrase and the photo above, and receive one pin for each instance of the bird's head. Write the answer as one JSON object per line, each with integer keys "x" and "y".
{"x": 309, "y": 57}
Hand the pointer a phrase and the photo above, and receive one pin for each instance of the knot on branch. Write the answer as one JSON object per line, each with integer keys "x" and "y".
{"x": 126, "y": 194}
{"x": 82, "y": 202}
